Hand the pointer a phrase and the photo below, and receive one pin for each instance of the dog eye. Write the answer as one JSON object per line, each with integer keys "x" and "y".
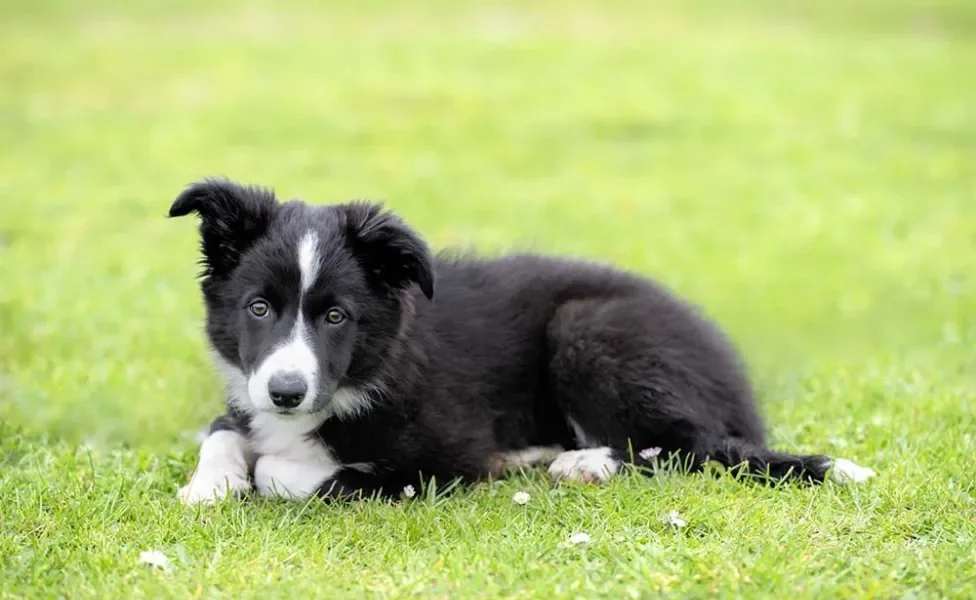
{"x": 259, "y": 308}
{"x": 335, "y": 316}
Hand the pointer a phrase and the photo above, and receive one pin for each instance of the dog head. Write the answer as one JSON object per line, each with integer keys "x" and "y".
{"x": 304, "y": 303}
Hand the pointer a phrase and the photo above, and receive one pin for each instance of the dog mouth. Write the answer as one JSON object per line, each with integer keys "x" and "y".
{"x": 293, "y": 415}
{"x": 293, "y": 412}
{"x": 314, "y": 406}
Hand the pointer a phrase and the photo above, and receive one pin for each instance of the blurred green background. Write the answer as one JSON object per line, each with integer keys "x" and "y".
{"x": 803, "y": 170}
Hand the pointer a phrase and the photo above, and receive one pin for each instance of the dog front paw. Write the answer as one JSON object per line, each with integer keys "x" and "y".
{"x": 212, "y": 486}
{"x": 279, "y": 477}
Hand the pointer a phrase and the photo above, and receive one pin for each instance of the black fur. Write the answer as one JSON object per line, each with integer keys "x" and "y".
{"x": 499, "y": 358}
{"x": 385, "y": 246}
{"x": 233, "y": 217}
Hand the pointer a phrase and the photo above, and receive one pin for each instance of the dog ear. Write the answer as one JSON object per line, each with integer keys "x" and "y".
{"x": 232, "y": 218}
{"x": 388, "y": 248}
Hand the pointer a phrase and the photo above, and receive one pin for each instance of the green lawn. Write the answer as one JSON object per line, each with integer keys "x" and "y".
{"x": 804, "y": 170}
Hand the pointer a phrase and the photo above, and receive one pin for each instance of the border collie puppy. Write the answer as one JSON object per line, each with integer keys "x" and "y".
{"x": 351, "y": 374}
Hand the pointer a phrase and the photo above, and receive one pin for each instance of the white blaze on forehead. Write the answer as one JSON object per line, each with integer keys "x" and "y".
{"x": 308, "y": 259}
{"x": 294, "y": 355}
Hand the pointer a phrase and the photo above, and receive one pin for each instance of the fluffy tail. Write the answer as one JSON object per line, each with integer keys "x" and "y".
{"x": 761, "y": 462}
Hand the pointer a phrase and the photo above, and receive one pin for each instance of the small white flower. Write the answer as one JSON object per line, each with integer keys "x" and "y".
{"x": 155, "y": 558}
{"x": 673, "y": 518}
{"x": 649, "y": 453}
{"x": 409, "y": 492}
{"x": 521, "y": 498}
{"x": 579, "y": 538}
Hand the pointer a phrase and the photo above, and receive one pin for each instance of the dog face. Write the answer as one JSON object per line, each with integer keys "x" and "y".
{"x": 304, "y": 303}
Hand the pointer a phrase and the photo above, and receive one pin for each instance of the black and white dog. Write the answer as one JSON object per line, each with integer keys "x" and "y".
{"x": 350, "y": 373}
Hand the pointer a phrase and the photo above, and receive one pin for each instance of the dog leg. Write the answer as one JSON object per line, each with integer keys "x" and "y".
{"x": 222, "y": 470}
{"x": 357, "y": 484}
{"x": 285, "y": 477}
{"x": 590, "y": 465}
{"x": 525, "y": 457}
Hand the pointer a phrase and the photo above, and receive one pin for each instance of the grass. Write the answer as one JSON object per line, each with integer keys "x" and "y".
{"x": 803, "y": 170}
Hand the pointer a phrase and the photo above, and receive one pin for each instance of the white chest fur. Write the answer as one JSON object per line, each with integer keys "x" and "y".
{"x": 290, "y": 463}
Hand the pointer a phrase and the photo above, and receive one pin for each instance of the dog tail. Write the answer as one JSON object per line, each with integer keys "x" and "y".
{"x": 760, "y": 462}
{"x": 754, "y": 460}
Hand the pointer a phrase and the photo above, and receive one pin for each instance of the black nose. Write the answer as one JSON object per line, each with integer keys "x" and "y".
{"x": 287, "y": 390}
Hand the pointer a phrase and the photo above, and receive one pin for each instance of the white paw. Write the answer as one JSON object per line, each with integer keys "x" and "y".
{"x": 212, "y": 485}
{"x": 592, "y": 464}
{"x": 278, "y": 477}
{"x": 845, "y": 471}
{"x": 221, "y": 470}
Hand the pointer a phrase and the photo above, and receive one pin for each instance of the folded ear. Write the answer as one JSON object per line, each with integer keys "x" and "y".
{"x": 389, "y": 250}
{"x": 232, "y": 218}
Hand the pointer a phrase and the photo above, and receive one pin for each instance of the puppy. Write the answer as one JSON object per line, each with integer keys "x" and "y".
{"x": 357, "y": 363}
